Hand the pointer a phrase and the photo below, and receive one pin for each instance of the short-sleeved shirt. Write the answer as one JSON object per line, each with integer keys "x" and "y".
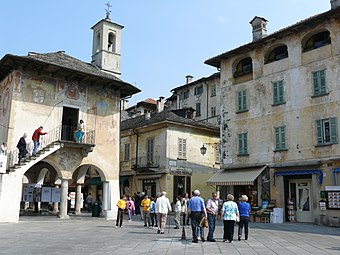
{"x": 244, "y": 209}
{"x": 230, "y": 210}
{"x": 212, "y": 205}
{"x": 196, "y": 204}
{"x": 121, "y": 204}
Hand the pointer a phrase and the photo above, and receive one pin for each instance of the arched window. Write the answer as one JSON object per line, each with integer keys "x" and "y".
{"x": 98, "y": 42}
{"x": 112, "y": 42}
{"x": 316, "y": 41}
{"x": 245, "y": 66}
{"x": 276, "y": 54}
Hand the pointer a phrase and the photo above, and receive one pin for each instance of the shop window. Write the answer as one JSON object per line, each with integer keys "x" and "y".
{"x": 319, "y": 83}
{"x": 182, "y": 148}
{"x": 317, "y": 41}
{"x": 245, "y": 66}
{"x": 126, "y": 151}
{"x": 277, "y": 54}
{"x": 242, "y": 101}
{"x": 280, "y": 138}
{"x": 243, "y": 144}
{"x": 327, "y": 131}
{"x": 278, "y": 92}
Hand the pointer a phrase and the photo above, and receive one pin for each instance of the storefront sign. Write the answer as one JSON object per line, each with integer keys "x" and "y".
{"x": 181, "y": 171}
{"x": 331, "y": 188}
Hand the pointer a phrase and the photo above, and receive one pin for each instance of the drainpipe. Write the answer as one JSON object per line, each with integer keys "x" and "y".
{"x": 136, "y": 133}
{"x": 207, "y": 100}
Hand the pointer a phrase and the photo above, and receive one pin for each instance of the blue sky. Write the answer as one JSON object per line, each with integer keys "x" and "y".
{"x": 162, "y": 41}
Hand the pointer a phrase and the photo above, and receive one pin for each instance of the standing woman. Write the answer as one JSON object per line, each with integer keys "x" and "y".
{"x": 244, "y": 209}
{"x": 230, "y": 215}
{"x": 185, "y": 215}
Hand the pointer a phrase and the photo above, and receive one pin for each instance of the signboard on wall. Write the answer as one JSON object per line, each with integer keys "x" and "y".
{"x": 46, "y": 194}
{"x": 55, "y": 196}
{"x": 27, "y": 194}
{"x": 3, "y": 164}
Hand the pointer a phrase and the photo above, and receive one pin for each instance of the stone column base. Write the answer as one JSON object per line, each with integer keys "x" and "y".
{"x": 110, "y": 215}
{"x": 63, "y": 217}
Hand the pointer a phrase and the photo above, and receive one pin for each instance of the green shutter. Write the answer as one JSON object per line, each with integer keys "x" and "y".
{"x": 316, "y": 89}
{"x": 319, "y": 131}
{"x": 239, "y": 100}
{"x": 323, "y": 89}
{"x": 275, "y": 93}
{"x": 245, "y": 143}
{"x": 244, "y": 103}
{"x": 334, "y": 129}
{"x": 283, "y": 138}
{"x": 280, "y": 92}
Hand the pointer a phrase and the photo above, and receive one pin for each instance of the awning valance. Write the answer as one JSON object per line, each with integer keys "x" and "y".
{"x": 336, "y": 170}
{"x": 239, "y": 176}
{"x": 299, "y": 172}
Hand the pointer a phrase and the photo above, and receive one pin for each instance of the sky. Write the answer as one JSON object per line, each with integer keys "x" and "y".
{"x": 162, "y": 41}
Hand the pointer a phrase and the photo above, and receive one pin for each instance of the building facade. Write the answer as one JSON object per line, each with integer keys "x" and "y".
{"x": 56, "y": 91}
{"x": 280, "y": 95}
{"x": 161, "y": 152}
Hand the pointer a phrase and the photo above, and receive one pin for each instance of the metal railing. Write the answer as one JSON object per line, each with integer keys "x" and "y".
{"x": 70, "y": 133}
{"x": 146, "y": 161}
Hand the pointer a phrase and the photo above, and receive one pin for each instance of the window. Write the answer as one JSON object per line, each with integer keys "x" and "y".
{"x": 198, "y": 109}
{"x": 111, "y": 44}
{"x": 149, "y": 155}
{"x": 199, "y": 90}
{"x": 280, "y": 138}
{"x": 126, "y": 151}
{"x": 242, "y": 101}
{"x": 213, "y": 111}
{"x": 217, "y": 153}
{"x": 317, "y": 41}
{"x": 182, "y": 148}
{"x": 184, "y": 94}
{"x": 213, "y": 90}
{"x": 278, "y": 92}
{"x": 327, "y": 131}
{"x": 278, "y": 53}
{"x": 245, "y": 66}
{"x": 243, "y": 144}
{"x": 319, "y": 83}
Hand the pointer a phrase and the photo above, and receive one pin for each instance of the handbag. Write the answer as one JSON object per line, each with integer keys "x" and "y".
{"x": 204, "y": 223}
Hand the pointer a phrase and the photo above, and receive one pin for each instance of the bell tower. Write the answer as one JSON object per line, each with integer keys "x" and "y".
{"x": 106, "y": 44}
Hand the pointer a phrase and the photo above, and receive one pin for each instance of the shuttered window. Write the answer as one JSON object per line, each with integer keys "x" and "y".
{"x": 327, "y": 131}
{"x": 182, "y": 148}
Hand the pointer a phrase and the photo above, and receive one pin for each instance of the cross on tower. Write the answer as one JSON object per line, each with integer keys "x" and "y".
{"x": 108, "y": 11}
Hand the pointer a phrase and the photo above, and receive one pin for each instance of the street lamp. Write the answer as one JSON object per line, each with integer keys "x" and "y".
{"x": 203, "y": 150}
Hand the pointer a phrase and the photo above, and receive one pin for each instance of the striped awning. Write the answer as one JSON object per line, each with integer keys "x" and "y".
{"x": 239, "y": 176}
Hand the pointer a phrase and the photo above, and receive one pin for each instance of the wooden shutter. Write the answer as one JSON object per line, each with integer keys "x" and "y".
{"x": 334, "y": 129}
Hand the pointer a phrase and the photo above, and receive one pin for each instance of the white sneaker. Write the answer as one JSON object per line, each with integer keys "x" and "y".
{"x": 121, "y": 226}
{"x": 129, "y": 220}
{"x": 116, "y": 226}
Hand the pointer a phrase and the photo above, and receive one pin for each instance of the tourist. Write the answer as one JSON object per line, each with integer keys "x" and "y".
{"x": 3, "y": 149}
{"x": 162, "y": 208}
{"x": 22, "y": 147}
{"x": 197, "y": 211}
{"x": 36, "y": 137}
{"x": 178, "y": 209}
{"x": 244, "y": 209}
{"x": 130, "y": 206}
{"x": 79, "y": 134}
{"x": 212, "y": 212}
{"x": 185, "y": 215}
{"x": 120, "y": 214}
{"x": 145, "y": 205}
{"x": 230, "y": 216}
{"x": 89, "y": 201}
{"x": 153, "y": 213}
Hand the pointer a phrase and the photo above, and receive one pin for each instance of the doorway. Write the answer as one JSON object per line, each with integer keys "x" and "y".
{"x": 69, "y": 123}
{"x": 300, "y": 193}
{"x": 149, "y": 187}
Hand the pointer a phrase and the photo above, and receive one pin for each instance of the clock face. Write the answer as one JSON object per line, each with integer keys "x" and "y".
{"x": 5, "y": 101}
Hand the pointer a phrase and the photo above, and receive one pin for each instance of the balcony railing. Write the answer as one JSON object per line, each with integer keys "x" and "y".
{"x": 143, "y": 162}
{"x": 70, "y": 133}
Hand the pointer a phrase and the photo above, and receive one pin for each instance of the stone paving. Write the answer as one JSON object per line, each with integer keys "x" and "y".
{"x": 87, "y": 235}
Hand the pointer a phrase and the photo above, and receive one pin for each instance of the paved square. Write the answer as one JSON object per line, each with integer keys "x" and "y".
{"x": 87, "y": 235}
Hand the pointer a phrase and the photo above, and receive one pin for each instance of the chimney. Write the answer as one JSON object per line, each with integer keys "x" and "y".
{"x": 259, "y": 26}
{"x": 160, "y": 104}
{"x": 147, "y": 115}
{"x": 335, "y": 4}
{"x": 188, "y": 78}
{"x": 125, "y": 104}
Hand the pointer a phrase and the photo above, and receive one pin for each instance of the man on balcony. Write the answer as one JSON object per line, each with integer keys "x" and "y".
{"x": 36, "y": 137}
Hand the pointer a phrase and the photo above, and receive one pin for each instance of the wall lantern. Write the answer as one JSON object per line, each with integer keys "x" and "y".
{"x": 203, "y": 150}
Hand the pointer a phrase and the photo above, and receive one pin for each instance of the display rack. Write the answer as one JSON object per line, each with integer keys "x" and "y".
{"x": 291, "y": 211}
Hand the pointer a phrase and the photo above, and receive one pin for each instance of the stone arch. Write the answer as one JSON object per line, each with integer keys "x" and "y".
{"x": 275, "y": 53}
{"x": 316, "y": 38}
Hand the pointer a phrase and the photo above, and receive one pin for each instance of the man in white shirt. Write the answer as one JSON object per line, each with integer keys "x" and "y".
{"x": 162, "y": 208}
{"x": 212, "y": 211}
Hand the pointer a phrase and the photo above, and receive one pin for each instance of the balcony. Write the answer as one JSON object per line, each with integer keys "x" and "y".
{"x": 145, "y": 163}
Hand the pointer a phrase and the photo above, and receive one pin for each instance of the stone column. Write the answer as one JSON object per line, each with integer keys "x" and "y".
{"x": 56, "y": 204}
{"x": 78, "y": 199}
{"x": 63, "y": 200}
{"x": 110, "y": 199}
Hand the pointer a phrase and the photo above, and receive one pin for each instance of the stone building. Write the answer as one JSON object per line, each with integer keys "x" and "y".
{"x": 201, "y": 95}
{"x": 55, "y": 90}
{"x": 161, "y": 151}
{"x": 281, "y": 94}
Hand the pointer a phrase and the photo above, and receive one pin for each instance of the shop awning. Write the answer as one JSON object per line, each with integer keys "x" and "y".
{"x": 239, "y": 176}
{"x": 299, "y": 172}
{"x": 96, "y": 181}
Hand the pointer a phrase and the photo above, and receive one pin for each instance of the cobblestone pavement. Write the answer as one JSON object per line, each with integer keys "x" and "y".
{"x": 87, "y": 235}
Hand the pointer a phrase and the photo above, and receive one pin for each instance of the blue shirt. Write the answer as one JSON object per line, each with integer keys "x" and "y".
{"x": 152, "y": 207}
{"x": 196, "y": 204}
{"x": 244, "y": 209}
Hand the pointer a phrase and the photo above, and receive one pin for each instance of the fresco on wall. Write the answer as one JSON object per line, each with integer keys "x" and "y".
{"x": 104, "y": 101}
{"x": 5, "y": 91}
{"x": 71, "y": 90}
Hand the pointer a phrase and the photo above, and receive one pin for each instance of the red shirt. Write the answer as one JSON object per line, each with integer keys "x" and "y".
{"x": 36, "y": 135}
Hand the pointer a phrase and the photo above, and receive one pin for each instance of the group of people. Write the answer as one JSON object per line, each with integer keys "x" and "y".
{"x": 154, "y": 211}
